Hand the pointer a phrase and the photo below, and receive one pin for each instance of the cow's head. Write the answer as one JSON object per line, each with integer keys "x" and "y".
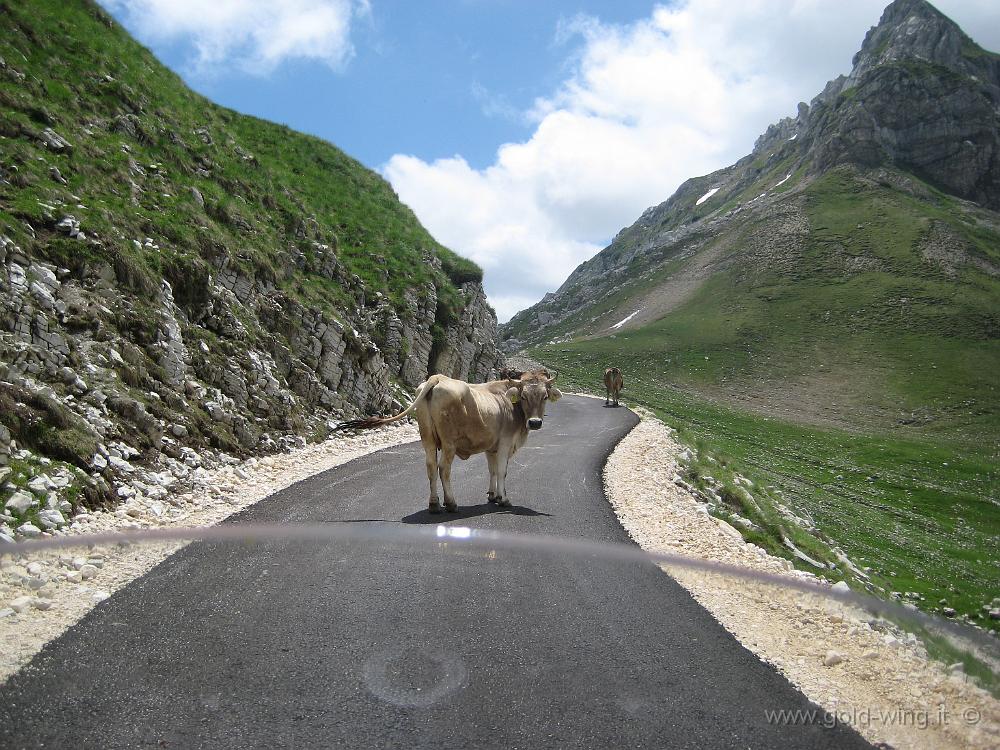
{"x": 531, "y": 392}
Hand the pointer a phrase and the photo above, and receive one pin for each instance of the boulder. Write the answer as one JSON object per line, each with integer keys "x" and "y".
{"x": 21, "y": 502}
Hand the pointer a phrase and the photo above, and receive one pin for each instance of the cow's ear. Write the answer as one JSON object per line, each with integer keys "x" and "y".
{"x": 554, "y": 394}
{"x": 514, "y": 394}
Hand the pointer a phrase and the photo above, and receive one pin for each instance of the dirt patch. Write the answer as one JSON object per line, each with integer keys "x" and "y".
{"x": 828, "y": 397}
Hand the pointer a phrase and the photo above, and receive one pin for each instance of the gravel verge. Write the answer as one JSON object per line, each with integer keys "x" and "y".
{"x": 44, "y": 594}
{"x": 859, "y": 671}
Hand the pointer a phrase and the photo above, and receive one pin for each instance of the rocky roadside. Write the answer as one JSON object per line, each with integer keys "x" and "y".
{"x": 862, "y": 671}
{"x": 44, "y": 594}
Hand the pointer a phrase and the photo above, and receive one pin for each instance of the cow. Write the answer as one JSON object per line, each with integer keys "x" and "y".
{"x": 613, "y": 384}
{"x": 462, "y": 419}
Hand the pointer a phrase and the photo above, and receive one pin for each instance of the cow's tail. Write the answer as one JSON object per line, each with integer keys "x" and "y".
{"x": 370, "y": 422}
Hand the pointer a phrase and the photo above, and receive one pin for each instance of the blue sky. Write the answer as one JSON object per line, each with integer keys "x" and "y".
{"x": 524, "y": 134}
{"x": 429, "y": 78}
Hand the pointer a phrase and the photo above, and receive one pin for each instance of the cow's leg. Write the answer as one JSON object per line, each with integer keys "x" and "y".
{"x": 430, "y": 451}
{"x": 491, "y": 493}
{"x": 503, "y": 458}
{"x": 447, "y": 457}
{"x": 607, "y": 395}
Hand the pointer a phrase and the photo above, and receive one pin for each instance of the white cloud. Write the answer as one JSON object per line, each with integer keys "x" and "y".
{"x": 252, "y": 35}
{"x": 678, "y": 94}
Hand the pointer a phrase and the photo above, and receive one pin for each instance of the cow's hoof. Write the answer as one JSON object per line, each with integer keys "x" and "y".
{"x": 504, "y": 503}
{"x": 451, "y": 508}
{"x": 491, "y": 498}
{"x": 435, "y": 508}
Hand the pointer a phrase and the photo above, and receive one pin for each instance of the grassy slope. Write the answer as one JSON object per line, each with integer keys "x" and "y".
{"x": 82, "y": 72}
{"x": 873, "y": 416}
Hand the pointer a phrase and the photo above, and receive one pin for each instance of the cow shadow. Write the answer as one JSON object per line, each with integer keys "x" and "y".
{"x": 612, "y": 406}
{"x": 469, "y": 511}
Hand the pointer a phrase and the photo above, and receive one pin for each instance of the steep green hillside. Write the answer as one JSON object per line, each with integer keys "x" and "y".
{"x": 140, "y": 143}
{"x": 880, "y": 310}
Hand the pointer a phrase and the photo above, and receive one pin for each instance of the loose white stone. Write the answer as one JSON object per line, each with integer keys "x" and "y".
{"x": 29, "y": 530}
{"x": 88, "y": 571}
{"x": 51, "y": 518}
{"x": 40, "y": 484}
{"x": 21, "y": 603}
{"x": 21, "y": 502}
{"x": 120, "y": 464}
{"x": 832, "y": 658}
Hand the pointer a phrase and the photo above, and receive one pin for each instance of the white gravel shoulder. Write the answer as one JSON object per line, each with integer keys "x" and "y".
{"x": 41, "y": 596}
{"x": 879, "y": 683}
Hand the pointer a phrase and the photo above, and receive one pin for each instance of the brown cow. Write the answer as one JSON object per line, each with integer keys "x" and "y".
{"x": 613, "y": 384}
{"x": 461, "y": 419}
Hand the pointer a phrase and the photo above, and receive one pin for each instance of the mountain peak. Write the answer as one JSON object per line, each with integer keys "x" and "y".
{"x": 912, "y": 29}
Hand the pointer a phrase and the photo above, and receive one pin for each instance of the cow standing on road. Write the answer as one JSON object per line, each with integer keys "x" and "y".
{"x": 613, "y": 384}
{"x": 462, "y": 419}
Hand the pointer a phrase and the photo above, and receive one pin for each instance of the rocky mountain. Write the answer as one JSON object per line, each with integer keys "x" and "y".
{"x": 180, "y": 283}
{"x": 916, "y": 118}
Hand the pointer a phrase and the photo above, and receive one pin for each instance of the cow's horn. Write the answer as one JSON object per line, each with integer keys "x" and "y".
{"x": 551, "y": 380}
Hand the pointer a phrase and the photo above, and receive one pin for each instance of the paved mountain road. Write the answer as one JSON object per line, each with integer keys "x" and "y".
{"x": 375, "y": 644}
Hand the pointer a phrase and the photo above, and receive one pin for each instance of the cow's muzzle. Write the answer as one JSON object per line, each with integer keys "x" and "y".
{"x": 534, "y": 423}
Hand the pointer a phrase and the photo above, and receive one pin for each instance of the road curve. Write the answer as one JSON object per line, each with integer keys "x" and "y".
{"x": 362, "y": 644}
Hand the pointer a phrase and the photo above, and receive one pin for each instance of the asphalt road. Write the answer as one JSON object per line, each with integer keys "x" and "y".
{"x": 372, "y": 644}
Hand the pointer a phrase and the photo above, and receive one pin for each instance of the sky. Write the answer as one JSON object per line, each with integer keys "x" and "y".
{"x": 524, "y": 134}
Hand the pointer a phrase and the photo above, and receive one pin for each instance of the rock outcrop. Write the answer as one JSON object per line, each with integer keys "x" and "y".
{"x": 922, "y": 97}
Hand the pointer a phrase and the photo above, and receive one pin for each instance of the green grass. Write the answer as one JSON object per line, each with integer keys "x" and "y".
{"x": 921, "y": 513}
{"x": 269, "y": 192}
